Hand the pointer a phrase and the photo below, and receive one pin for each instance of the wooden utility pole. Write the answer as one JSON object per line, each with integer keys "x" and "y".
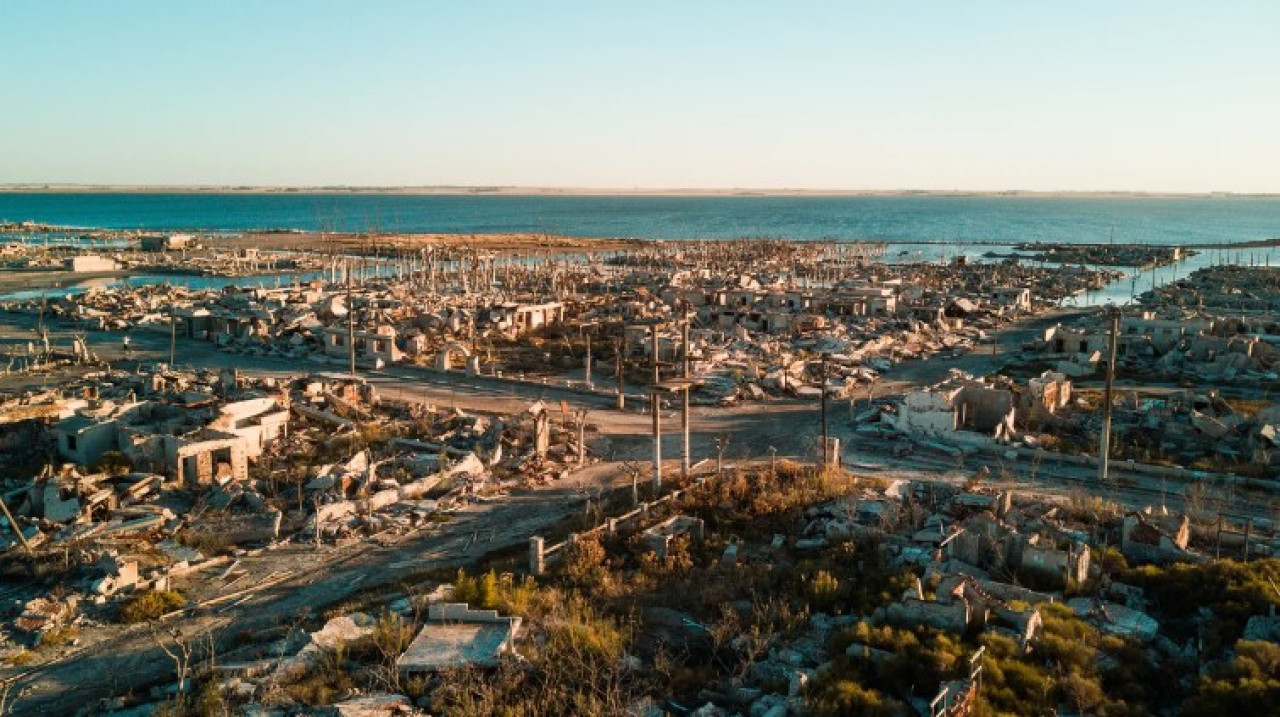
{"x": 620, "y": 349}
{"x": 684, "y": 408}
{"x": 825, "y": 436}
{"x": 351, "y": 327}
{"x": 655, "y": 407}
{"x": 1104, "y": 448}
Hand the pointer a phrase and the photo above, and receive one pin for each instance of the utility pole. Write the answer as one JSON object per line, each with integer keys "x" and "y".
{"x": 655, "y": 407}
{"x": 173, "y": 337}
{"x": 351, "y": 327}
{"x": 825, "y": 436}
{"x": 619, "y": 349}
{"x": 1104, "y": 449}
{"x": 684, "y": 410}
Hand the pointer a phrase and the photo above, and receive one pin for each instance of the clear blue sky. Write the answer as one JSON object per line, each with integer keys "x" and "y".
{"x": 1131, "y": 95}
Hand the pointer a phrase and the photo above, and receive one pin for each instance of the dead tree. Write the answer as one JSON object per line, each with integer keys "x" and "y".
{"x": 179, "y": 648}
{"x": 580, "y": 422}
{"x": 722, "y": 444}
{"x": 634, "y": 470}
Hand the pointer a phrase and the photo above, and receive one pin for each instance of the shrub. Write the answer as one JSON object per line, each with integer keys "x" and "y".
{"x": 392, "y": 634}
{"x": 147, "y": 605}
{"x": 1234, "y": 591}
{"x": 503, "y": 593}
{"x": 824, "y": 590}
{"x": 58, "y": 636}
{"x": 465, "y": 588}
{"x": 586, "y": 566}
{"x": 845, "y": 697}
{"x": 1248, "y": 684}
{"x": 487, "y": 594}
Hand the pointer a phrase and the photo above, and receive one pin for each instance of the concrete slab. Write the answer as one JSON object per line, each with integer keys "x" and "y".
{"x": 455, "y": 636}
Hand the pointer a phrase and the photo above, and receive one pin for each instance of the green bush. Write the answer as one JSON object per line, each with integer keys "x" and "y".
{"x": 1232, "y": 590}
{"x": 1248, "y": 684}
{"x": 845, "y": 697}
{"x": 147, "y": 605}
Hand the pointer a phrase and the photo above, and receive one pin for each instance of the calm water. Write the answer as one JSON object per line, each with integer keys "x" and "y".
{"x": 965, "y": 220}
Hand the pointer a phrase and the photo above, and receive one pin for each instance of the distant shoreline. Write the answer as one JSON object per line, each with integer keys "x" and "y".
{"x": 604, "y": 192}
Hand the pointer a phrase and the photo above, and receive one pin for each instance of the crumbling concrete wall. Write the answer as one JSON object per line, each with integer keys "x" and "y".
{"x": 927, "y": 413}
{"x": 259, "y": 421}
{"x": 1144, "y": 541}
{"x": 658, "y": 538}
{"x": 912, "y": 613}
{"x": 197, "y": 463}
{"x": 56, "y": 508}
{"x": 1064, "y": 340}
{"x": 86, "y": 263}
{"x": 83, "y": 442}
{"x": 1163, "y": 334}
{"x": 1051, "y": 562}
{"x": 1047, "y": 393}
{"x": 985, "y": 410}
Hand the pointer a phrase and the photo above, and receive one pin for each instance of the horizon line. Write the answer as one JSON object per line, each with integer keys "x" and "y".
{"x": 521, "y": 190}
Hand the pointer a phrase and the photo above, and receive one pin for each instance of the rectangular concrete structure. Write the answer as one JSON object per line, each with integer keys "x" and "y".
{"x": 457, "y": 636}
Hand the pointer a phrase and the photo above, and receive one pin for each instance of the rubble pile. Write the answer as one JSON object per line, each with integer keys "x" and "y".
{"x": 168, "y": 467}
{"x": 1141, "y": 256}
{"x": 988, "y": 562}
{"x": 1170, "y": 343}
{"x": 754, "y": 308}
{"x": 141, "y": 254}
{"x": 1253, "y": 291}
{"x": 160, "y": 469}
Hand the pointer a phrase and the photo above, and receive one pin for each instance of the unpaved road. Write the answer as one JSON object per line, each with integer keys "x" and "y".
{"x": 791, "y": 426}
{"x": 129, "y": 658}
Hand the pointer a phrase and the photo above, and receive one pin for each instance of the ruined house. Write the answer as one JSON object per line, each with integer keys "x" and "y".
{"x": 1063, "y": 340}
{"x": 193, "y": 443}
{"x": 166, "y": 242}
{"x": 1011, "y": 299}
{"x": 514, "y": 318}
{"x": 83, "y": 438}
{"x": 377, "y": 346}
{"x": 88, "y": 263}
{"x": 960, "y": 411}
{"x": 1155, "y": 539}
{"x": 1047, "y": 393}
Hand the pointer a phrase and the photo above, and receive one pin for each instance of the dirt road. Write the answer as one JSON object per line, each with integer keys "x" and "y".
{"x": 129, "y": 658}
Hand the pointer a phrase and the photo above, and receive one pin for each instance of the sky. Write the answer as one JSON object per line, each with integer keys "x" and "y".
{"x": 1163, "y": 96}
